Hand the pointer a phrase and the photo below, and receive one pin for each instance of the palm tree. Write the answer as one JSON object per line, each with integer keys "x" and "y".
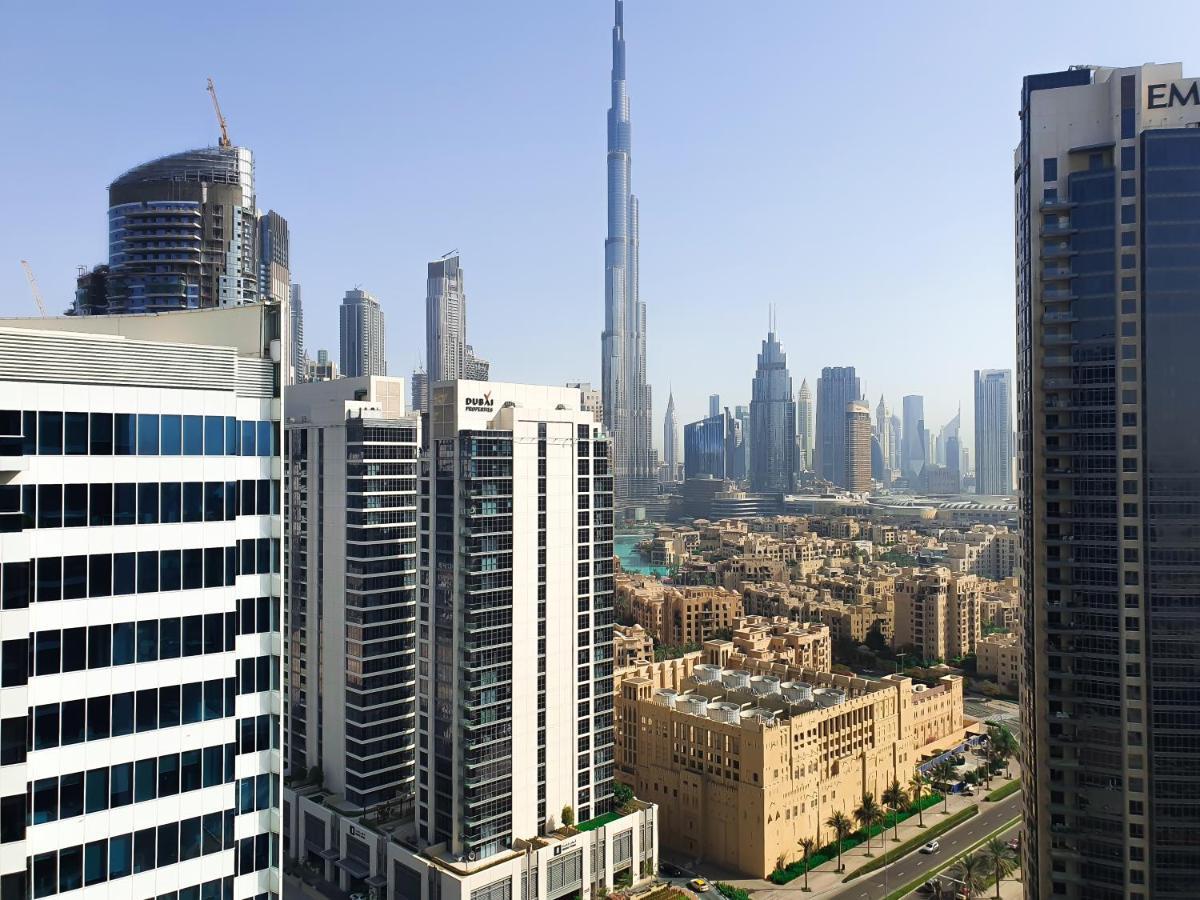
{"x": 917, "y": 785}
{"x": 1001, "y": 745}
{"x": 842, "y": 826}
{"x": 895, "y": 798}
{"x": 868, "y": 814}
{"x": 999, "y": 858}
{"x": 972, "y": 871}
{"x": 807, "y": 844}
{"x": 943, "y": 773}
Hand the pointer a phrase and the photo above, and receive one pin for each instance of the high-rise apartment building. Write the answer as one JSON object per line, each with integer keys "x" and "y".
{"x": 320, "y": 369}
{"x": 858, "y": 447}
{"x": 362, "y": 337}
{"x": 804, "y": 425}
{"x": 1108, "y": 288}
{"x": 993, "y": 431}
{"x": 297, "y": 355}
{"x": 274, "y": 272}
{"x": 772, "y": 421}
{"x": 447, "y": 353}
{"x": 837, "y": 386}
{"x": 627, "y": 398}
{"x": 589, "y": 399}
{"x": 895, "y": 442}
{"x": 352, "y": 590}
{"x": 182, "y": 233}
{"x": 671, "y": 460}
{"x": 420, "y": 391}
{"x": 140, "y": 620}
{"x": 914, "y": 451}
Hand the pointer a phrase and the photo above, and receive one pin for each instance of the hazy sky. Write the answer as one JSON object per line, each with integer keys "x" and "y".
{"x": 850, "y": 163}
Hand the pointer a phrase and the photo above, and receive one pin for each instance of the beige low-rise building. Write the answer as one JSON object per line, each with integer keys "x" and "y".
{"x": 675, "y": 616}
{"x": 632, "y": 645}
{"x": 1000, "y": 656}
{"x": 746, "y": 762}
{"x": 780, "y": 639}
{"x": 936, "y": 613}
{"x": 989, "y": 551}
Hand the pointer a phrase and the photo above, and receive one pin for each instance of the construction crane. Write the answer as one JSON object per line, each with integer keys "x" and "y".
{"x": 33, "y": 287}
{"x": 224, "y": 142}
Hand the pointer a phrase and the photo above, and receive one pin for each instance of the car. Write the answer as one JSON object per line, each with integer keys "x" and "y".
{"x": 968, "y": 791}
{"x": 699, "y": 885}
{"x": 931, "y": 847}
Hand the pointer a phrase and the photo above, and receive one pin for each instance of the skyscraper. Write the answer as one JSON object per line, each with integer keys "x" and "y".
{"x": 420, "y": 391}
{"x": 296, "y": 312}
{"x": 772, "y": 421}
{"x": 858, "y": 446}
{"x": 1108, "y": 296}
{"x": 837, "y": 386}
{"x": 714, "y": 405}
{"x": 352, "y": 606}
{"x": 993, "y": 431}
{"x": 623, "y": 357}
{"x": 883, "y": 433}
{"x": 895, "y": 442}
{"x": 447, "y": 352}
{"x": 948, "y": 432}
{"x": 671, "y": 440}
{"x": 710, "y": 447}
{"x": 363, "y": 349}
{"x": 741, "y": 466}
{"x": 139, "y": 574}
{"x": 804, "y": 425}
{"x": 914, "y": 450}
{"x": 182, "y": 233}
{"x": 274, "y": 266}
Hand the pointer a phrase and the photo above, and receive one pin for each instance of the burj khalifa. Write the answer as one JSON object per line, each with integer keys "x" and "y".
{"x": 627, "y": 404}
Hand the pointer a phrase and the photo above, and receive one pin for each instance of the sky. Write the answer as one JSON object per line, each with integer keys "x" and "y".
{"x": 849, "y": 163}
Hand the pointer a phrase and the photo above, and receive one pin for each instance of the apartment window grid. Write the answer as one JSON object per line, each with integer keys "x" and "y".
{"x": 541, "y": 626}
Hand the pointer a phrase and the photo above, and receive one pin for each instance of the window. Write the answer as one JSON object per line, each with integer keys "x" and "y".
{"x": 172, "y": 435}
{"x": 70, "y": 796}
{"x": 14, "y": 662}
{"x": 100, "y": 576}
{"x": 75, "y": 505}
{"x": 122, "y": 714}
{"x": 120, "y": 856}
{"x": 45, "y": 800}
{"x": 50, "y": 433}
{"x": 124, "y": 504}
{"x": 147, "y": 512}
{"x": 12, "y": 818}
{"x": 100, "y": 504}
{"x": 193, "y": 501}
{"x": 99, "y": 719}
{"x": 125, "y": 434}
{"x": 102, "y": 434}
{"x": 168, "y": 775}
{"x": 193, "y": 435}
{"x": 45, "y": 726}
{"x": 120, "y": 789}
{"x": 49, "y": 506}
{"x": 76, "y": 428}
{"x": 45, "y": 874}
{"x": 214, "y": 435}
{"x": 1050, "y": 169}
{"x": 95, "y": 862}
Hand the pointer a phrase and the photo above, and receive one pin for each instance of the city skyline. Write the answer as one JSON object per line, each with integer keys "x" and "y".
{"x": 675, "y": 97}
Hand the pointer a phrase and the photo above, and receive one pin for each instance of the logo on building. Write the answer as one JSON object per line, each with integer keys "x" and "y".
{"x": 1161, "y": 96}
{"x": 480, "y": 404}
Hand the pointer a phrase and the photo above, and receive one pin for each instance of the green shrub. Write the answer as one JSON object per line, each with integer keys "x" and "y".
{"x": 1004, "y": 791}
{"x": 733, "y": 893}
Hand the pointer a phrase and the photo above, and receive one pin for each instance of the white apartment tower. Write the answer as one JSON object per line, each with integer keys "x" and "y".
{"x": 140, "y": 577}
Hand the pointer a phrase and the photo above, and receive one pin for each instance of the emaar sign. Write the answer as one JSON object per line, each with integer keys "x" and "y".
{"x": 1162, "y": 96}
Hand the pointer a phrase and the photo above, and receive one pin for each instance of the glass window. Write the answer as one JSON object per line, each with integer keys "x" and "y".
{"x": 246, "y": 795}
{"x": 50, "y": 433}
{"x": 214, "y": 435}
{"x": 168, "y": 775}
{"x": 147, "y": 513}
{"x": 76, "y": 428}
{"x": 192, "y": 702}
{"x": 100, "y": 504}
{"x": 102, "y": 434}
{"x": 147, "y": 434}
{"x": 214, "y": 632}
{"x": 45, "y": 726}
{"x": 70, "y": 796}
{"x": 74, "y": 577}
{"x": 147, "y": 641}
{"x": 214, "y": 699}
{"x": 100, "y": 646}
{"x": 125, "y": 434}
{"x": 168, "y": 843}
{"x": 263, "y": 487}
{"x": 70, "y": 868}
{"x": 193, "y": 568}
{"x": 45, "y": 874}
{"x": 12, "y": 740}
{"x": 214, "y": 766}
{"x": 123, "y": 643}
{"x": 100, "y": 575}
{"x": 193, "y": 635}
{"x": 1128, "y": 214}
{"x": 214, "y": 501}
{"x": 264, "y": 439}
{"x": 214, "y": 567}
{"x": 189, "y": 771}
{"x": 1127, "y": 159}
{"x": 49, "y": 506}
{"x": 1050, "y": 169}
{"x": 193, "y": 501}
{"x": 147, "y": 577}
{"x": 14, "y": 662}
{"x": 124, "y": 503}
{"x": 189, "y": 838}
{"x": 172, "y": 435}
{"x": 120, "y": 855}
{"x": 248, "y": 433}
{"x": 12, "y": 819}
{"x": 74, "y": 649}
{"x": 231, "y": 500}
{"x": 169, "y": 646}
{"x": 171, "y": 494}
{"x": 231, "y": 436}
{"x": 145, "y": 780}
{"x": 212, "y": 833}
{"x": 120, "y": 786}
{"x": 49, "y": 579}
{"x": 99, "y": 720}
{"x": 147, "y": 709}
{"x": 47, "y": 647}
{"x": 193, "y": 435}
{"x": 169, "y": 570}
{"x": 122, "y": 714}
{"x": 16, "y": 585}
{"x": 95, "y": 862}
{"x": 168, "y": 706}
{"x": 75, "y": 505}
{"x": 45, "y": 800}
{"x": 73, "y": 721}
{"x": 124, "y": 573}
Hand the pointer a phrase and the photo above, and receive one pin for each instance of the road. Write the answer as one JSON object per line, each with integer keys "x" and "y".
{"x": 916, "y": 864}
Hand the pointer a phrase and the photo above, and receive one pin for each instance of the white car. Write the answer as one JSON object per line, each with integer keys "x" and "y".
{"x": 931, "y": 847}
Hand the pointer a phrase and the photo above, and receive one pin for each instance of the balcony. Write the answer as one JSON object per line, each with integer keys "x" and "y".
{"x": 1056, "y": 229}
{"x": 1058, "y": 295}
{"x": 1057, "y": 273}
{"x": 1055, "y": 205}
{"x": 1055, "y": 318}
{"x": 1058, "y": 340}
{"x": 1056, "y": 360}
{"x": 1058, "y": 251}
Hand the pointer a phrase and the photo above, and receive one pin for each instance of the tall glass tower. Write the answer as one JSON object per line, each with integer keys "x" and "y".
{"x": 362, "y": 335}
{"x": 837, "y": 386}
{"x": 773, "y": 421}
{"x": 993, "y": 431}
{"x": 623, "y": 358}
{"x": 1107, "y": 187}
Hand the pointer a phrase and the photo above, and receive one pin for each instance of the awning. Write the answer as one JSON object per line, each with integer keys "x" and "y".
{"x": 377, "y": 881}
{"x": 355, "y": 868}
{"x": 321, "y": 851}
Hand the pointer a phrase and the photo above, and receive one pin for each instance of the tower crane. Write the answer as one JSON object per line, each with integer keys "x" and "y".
{"x": 33, "y": 287}
{"x": 224, "y": 142}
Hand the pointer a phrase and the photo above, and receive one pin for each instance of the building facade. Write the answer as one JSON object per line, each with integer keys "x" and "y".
{"x": 1107, "y": 218}
{"x": 140, "y": 579}
{"x": 448, "y": 356}
{"x": 363, "y": 341}
{"x": 858, "y": 447}
{"x": 993, "y": 432}
{"x": 837, "y": 386}
{"x": 710, "y": 447}
{"x": 627, "y": 398}
{"x": 914, "y": 451}
{"x": 805, "y": 424}
{"x": 937, "y": 613}
{"x": 297, "y": 356}
{"x": 671, "y": 458}
{"x": 772, "y": 422}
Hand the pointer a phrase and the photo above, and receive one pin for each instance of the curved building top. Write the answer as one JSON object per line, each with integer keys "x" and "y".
{"x": 209, "y": 165}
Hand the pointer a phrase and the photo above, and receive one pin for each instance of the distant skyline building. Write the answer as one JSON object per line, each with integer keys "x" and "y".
{"x": 915, "y": 440}
{"x": 711, "y": 447}
{"x": 714, "y": 405}
{"x": 837, "y": 387}
{"x": 671, "y": 458}
{"x": 419, "y": 387}
{"x": 805, "y": 424}
{"x": 448, "y": 356}
{"x": 993, "y": 431}
{"x": 895, "y": 442}
{"x": 858, "y": 447}
{"x": 320, "y": 369}
{"x": 296, "y": 319}
{"x": 589, "y": 399}
{"x": 362, "y": 335}
{"x": 183, "y": 233}
{"x": 883, "y": 434}
{"x": 741, "y": 463}
{"x": 142, "y": 610}
{"x": 274, "y": 266}
{"x": 947, "y": 432}
{"x": 772, "y": 421}
{"x": 627, "y": 396}
{"x": 1107, "y": 210}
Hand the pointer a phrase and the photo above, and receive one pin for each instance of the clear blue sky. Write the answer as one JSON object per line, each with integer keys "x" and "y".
{"x": 851, "y": 163}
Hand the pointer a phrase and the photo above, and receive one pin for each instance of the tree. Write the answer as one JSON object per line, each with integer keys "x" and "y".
{"x": 1001, "y": 746}
{"x": 972, "y": 870}
{"x": 807, "y": 845}
{"x": 999, "y": 858}
{"x": 622, "y": 793}
{"x": 917, "y": 785}
{"x": 944, "y": 774}
{"x": 895, "y": 798}
{"x": 868, "y": 814}
{"x": 842, "y": 826}
{"x": 568, "y": 816}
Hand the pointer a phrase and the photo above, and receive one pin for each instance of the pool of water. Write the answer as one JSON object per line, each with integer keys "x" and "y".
{"x": 625, "y": 546}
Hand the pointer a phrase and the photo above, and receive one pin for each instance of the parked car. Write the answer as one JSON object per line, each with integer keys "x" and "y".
{"x": 968, "y": 791}
{"x": 931, "y": 847}
{"x": 699, "y": 885}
